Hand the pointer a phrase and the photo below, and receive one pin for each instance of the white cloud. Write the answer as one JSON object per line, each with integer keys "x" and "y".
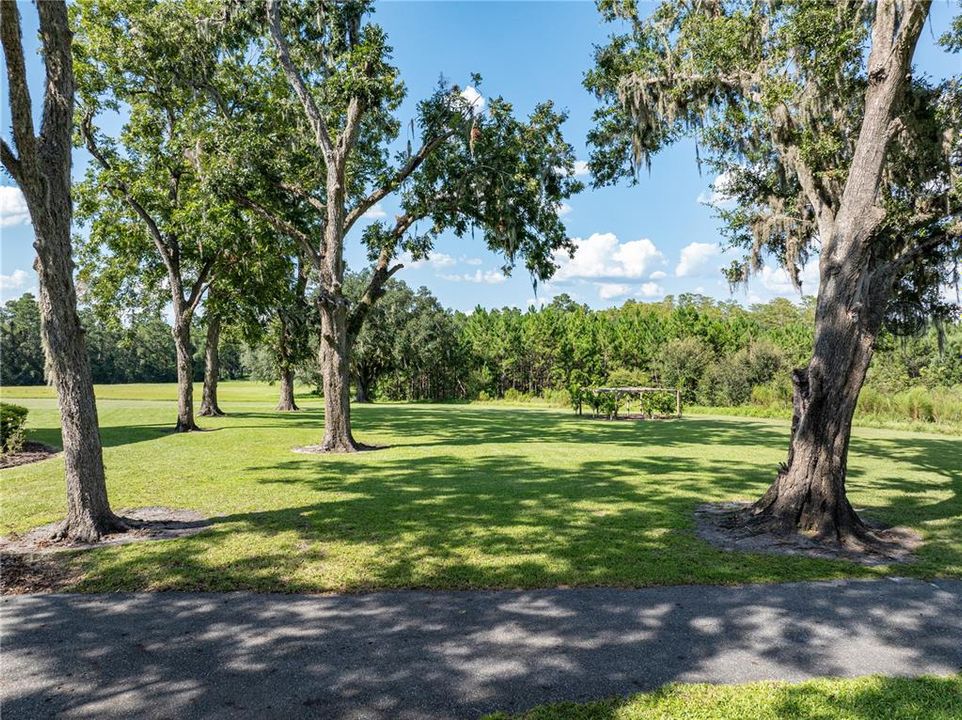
{"x": 695, "y": 258}
{"x": 15, "y": 281}
{"x": 651, "y": 289}
{"x": 563, "y": 209}
{"x": 658, "y": 275}
{"x": 580, "y": 169}
{"x": 471, "y": 261}
{"x": 607, "y": 291}
{"x": 441, "y": 260}
{"x": 435, "y": 260}
{"x": 775, "y": 279}
{"x": 602, "y": 256}
{"x": 717, "y": 194}
{"x": 374, "y": 212}
{"x": 489, "y": 277}
{"x": 474, "y": 99}
{"x": 13, "y": 206}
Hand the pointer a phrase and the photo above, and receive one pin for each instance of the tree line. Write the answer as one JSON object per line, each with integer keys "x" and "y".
{"x": 719, "y": 353}
{"x": 253, "y": 137}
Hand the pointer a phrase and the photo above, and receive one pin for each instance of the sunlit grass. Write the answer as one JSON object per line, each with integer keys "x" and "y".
{"x": 869, "y": 698}
{"x": 464, "y": 497}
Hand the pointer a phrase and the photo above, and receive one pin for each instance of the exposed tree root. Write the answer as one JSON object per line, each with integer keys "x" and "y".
{"x": 87, "y": 530}
{"x": 207, "y": 411}
{"x": 130, "y": 525}
{"x": 742, "y": 527}
{"x": 338, "y": 448}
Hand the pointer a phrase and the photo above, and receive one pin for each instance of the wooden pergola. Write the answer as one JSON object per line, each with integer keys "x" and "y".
{"x": 633, "y": 391}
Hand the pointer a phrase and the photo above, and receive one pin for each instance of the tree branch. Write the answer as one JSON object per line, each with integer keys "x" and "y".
{"x": 200, "y": 283}
{"x": 912, "y": 253}
{"x": 352, "y": 125}
{"x": 57, "y": 123}
{"x": 278, "y": 223}
{"x": 167, "y": 252}
{"x": 303, "y": 195}
{"x": 20, "y": 109}
{"x": 403, "y": 174}
{"x": 382, "y": 273}
{"x": 10, "y": 161}
{"x": 314, "y": 116}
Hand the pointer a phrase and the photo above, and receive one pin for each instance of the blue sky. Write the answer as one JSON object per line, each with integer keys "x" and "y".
{"x": 642, "y": 241}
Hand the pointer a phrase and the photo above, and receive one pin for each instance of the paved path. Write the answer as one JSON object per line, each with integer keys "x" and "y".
{"x": 451, "y": 654}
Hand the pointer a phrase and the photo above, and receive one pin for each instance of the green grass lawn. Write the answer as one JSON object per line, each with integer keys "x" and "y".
{"x": 465, "y": 496}
{"x": 870, "y": 698}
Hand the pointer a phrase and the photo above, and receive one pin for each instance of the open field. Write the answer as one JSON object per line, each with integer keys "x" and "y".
{"x": 464, "y": 497}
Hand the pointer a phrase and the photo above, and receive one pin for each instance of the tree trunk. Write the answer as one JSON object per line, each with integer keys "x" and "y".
{"x": 362, "y": 391}
{"x": 42, "y": 171}
{"x": 208, "y": 404}
{"x": 335, "y": 366}
{"x": 185, "y": 374}
{"x": 286, "y": 402}
{"x": 808, "y": 495}
{"x": 88, "y": 511}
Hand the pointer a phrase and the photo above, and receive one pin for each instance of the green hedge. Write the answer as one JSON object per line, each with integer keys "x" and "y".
{"x": 12, "y": 421}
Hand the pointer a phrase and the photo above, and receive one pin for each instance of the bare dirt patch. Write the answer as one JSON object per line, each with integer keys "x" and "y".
{"x": 321, "y": 450}
{"x": 715, "y": 524}
{"x": 145, "y": 524}
{"x": 21, "y": 574}
{"x": 31, "y": 452}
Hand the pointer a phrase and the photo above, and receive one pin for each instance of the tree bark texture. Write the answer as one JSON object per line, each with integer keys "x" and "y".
{"x": 42, "y": 171}
{"x": 185, "y": 374}
{"x": 335, "y": 366}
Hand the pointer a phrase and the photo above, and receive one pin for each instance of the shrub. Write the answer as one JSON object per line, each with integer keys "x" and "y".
{"x": 660, "y": 403}
{"x": 556, "y": 397}
{"x": 625, "y": 377}
{"x": 916, "y": 404}
{"x": 873, "y": 402}
{"x": 12, "y": 421}
{"x": 682, "y": 363}
{"x": 483, "y": 396}
{"x": 514, "y": 395}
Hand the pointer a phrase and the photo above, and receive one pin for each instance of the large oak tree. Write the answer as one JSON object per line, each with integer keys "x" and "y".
{"x": 40, "y": 165}
{"x": 319, "y": 77}
{"x": 829, "y": 146}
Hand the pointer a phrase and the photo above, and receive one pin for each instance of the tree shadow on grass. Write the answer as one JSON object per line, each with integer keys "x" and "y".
{"x": 505, "y": 519}
{"x": 440, "y": 521}
{"x": 110, "y": 436}
{"x": 434, "y": 425}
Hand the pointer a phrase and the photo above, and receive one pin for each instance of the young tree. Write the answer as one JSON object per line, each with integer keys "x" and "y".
{"x": 153, "y": 228}
{"x": 810, "y": 114}
{"x": 40, "y": 166}
{"x": 329, "y": 95}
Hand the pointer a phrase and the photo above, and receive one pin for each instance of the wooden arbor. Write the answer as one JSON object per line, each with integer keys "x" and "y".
{"x": 616, "y": 395}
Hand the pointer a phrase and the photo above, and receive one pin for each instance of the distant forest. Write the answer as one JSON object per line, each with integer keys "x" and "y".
{"x": 719, "y": 353}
